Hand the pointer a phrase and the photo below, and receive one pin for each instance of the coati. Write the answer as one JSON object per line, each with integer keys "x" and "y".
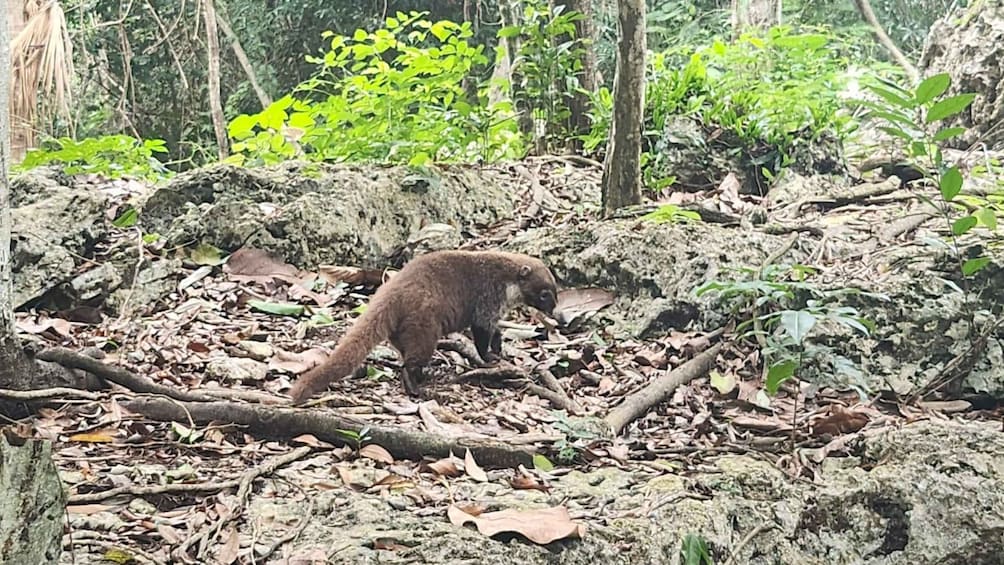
{"x": 433, "y": 295}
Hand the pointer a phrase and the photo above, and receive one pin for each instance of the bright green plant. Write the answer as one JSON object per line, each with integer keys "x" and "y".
{"x": 694, "y": 551}
{"x": 549, "y": 59}
{"x": 912, "y": 116}
{"x": 780, "y": 308}
{"x": 112, "y": 156}
{"x": 671, "y": 213}
{"x": 769, "y": 92}
{"x": 392, "y": 95}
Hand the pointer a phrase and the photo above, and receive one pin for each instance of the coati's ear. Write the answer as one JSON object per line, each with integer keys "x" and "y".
{"x": 524, "y": 271}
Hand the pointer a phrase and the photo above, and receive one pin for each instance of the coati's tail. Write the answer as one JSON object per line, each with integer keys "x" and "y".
{"x": 370, "y": 329}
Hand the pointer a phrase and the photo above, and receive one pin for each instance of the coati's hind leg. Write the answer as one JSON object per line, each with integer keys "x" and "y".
{"x": 417, "y": 344}
{"x": 488, "y": 342}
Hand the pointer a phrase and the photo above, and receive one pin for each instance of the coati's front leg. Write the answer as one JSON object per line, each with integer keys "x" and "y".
{"x": 488, "y": 342}
{"x": 417, "y": 345}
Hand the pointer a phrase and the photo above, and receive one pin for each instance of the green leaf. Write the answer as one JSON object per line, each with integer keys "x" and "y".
{"x": 892, "y": 97}
{"x": 797, "y": 323}
{"x": 897, "y": 132}
{"x": 949, "y": 107}
{"x": 360, "y": 35}
{"x": 277, "y": 308}
{"x": 987, "y": 217}
{"x": 948, "y": 133}
{"x": 950, "y": 184}
{"x": 972, "y": 266}
{"x": 724, "y": 384}
{"x": 542, "y": 463}
{"x": 126, "y": 219}
{"x": 694, "y": 551}
{"x": 149, "y": 238}
{"x": 206, "y": 254}
{"x": 778, "y": 373}
{"x": 932, "y": 87}
{"x": 963, "y": 225}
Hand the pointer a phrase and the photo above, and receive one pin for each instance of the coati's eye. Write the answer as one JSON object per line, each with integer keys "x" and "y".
{"x": 545, "y": 294}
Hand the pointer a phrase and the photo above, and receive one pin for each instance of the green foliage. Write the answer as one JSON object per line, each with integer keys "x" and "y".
{"x": 908, "y": 116}
{"x": 694, "y": 551}
{"x": 111, "y": 156}
{"x": 393, "y": 95}
{"x": 780, "y": 308}
{"x": 770, "y": 93}
{"x": 549, "y": 59}
{"x": 671, "y": 213}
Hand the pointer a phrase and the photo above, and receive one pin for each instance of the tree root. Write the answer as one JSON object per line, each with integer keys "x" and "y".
{"x": 330, "y": 427}
{"x": 116, "y": 375}
{"x": 639, "y": 403}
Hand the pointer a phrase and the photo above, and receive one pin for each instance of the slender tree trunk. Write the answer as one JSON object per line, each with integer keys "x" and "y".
{"x": 754, "y": 13}
{"x": 19, "y": 133}
{"x": 512, "y": 15}
{"x": 242, "y": 58}
{"x": 622, "y": 166}
{"x": 33, "y": 500}
{"x": 215, "y": 103}
{"x": 8, "y": 343}
{"x": 585, "y": 31}
{"x": 865, "y": 9}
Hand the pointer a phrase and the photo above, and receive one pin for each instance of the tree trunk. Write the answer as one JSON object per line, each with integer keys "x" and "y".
{"x": 215, "y": 103}
{"x": 622, "y": 166}
{"x": 511, "y": 15}
{"x": 754, "y": 13}
{"x": 31, "y": 507}
{"x": 19, "y": 134}
{"x": 585, "y": 31}
{"x": 865, "y": 9}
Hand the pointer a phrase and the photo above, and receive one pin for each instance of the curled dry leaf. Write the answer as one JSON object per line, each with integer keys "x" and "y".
{"x": 576, "y": 302}
{"x": 58, "y": 325}
{"x": 297, "y": 363}
{"x": 541, "y": 526}
{"x": 527, "y": 482}
{"x": 335, "y": 274}
{"x": 309, "y": 439}
{"x": 472, "y": 468}
{"x": 376, "y": 453}
{"x": 446, "y": 467}
{"x": 839, "y": 421}
{"x": 249, "y": 264}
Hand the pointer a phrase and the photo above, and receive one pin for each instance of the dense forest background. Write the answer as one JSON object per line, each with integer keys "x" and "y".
{"x": 141, "y": 67}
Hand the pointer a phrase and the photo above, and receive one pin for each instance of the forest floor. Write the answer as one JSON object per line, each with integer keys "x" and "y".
{"x": 160, "y": 491}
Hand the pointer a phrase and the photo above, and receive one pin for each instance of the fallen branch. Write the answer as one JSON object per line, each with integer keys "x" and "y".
{"x": 639, "y": 403}
{"x": 204, "y": 538}
{"x": 116, "y": 375}
{"x": 328, "y": 426}
{"x": 44, "y": 393}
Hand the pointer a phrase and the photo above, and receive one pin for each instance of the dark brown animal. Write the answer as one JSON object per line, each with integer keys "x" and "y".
{"x": 433, "y": 295}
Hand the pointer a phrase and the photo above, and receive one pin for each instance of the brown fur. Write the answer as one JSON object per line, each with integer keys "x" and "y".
{"x": 434, "y": 295}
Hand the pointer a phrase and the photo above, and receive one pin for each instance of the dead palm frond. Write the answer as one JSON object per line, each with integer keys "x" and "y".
{"x": 42, "y": 64}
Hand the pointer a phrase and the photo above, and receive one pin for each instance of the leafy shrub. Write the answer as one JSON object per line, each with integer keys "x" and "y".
{"x": 547, "y": 65}
{"x": 779, "y": 90}
{"x": 394, "y": 95}
{"x": 111, "y": 156}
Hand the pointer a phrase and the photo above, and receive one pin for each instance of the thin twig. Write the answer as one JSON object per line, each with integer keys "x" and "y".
{"x": 44, "y": 393}
{"x": 244, "y": 487}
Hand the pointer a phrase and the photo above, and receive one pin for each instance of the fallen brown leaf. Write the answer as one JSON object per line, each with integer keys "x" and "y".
{"x": 353, "y": 275}
{"x": 472, "y": 468}
{"x": 541, "y": 526}
{"x": 446, "y": 467}
{"x": 576, "y": 302}
{"x": 297, "y": 363}
{"x": 839, "y": 421}
{"x": 376, "y": 453}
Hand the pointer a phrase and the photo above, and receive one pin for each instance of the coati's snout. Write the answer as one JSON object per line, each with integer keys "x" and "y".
{"x": 538, "y": 287}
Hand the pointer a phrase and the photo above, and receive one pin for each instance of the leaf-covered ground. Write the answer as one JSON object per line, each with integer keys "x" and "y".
{"x": 244, "y": 326}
